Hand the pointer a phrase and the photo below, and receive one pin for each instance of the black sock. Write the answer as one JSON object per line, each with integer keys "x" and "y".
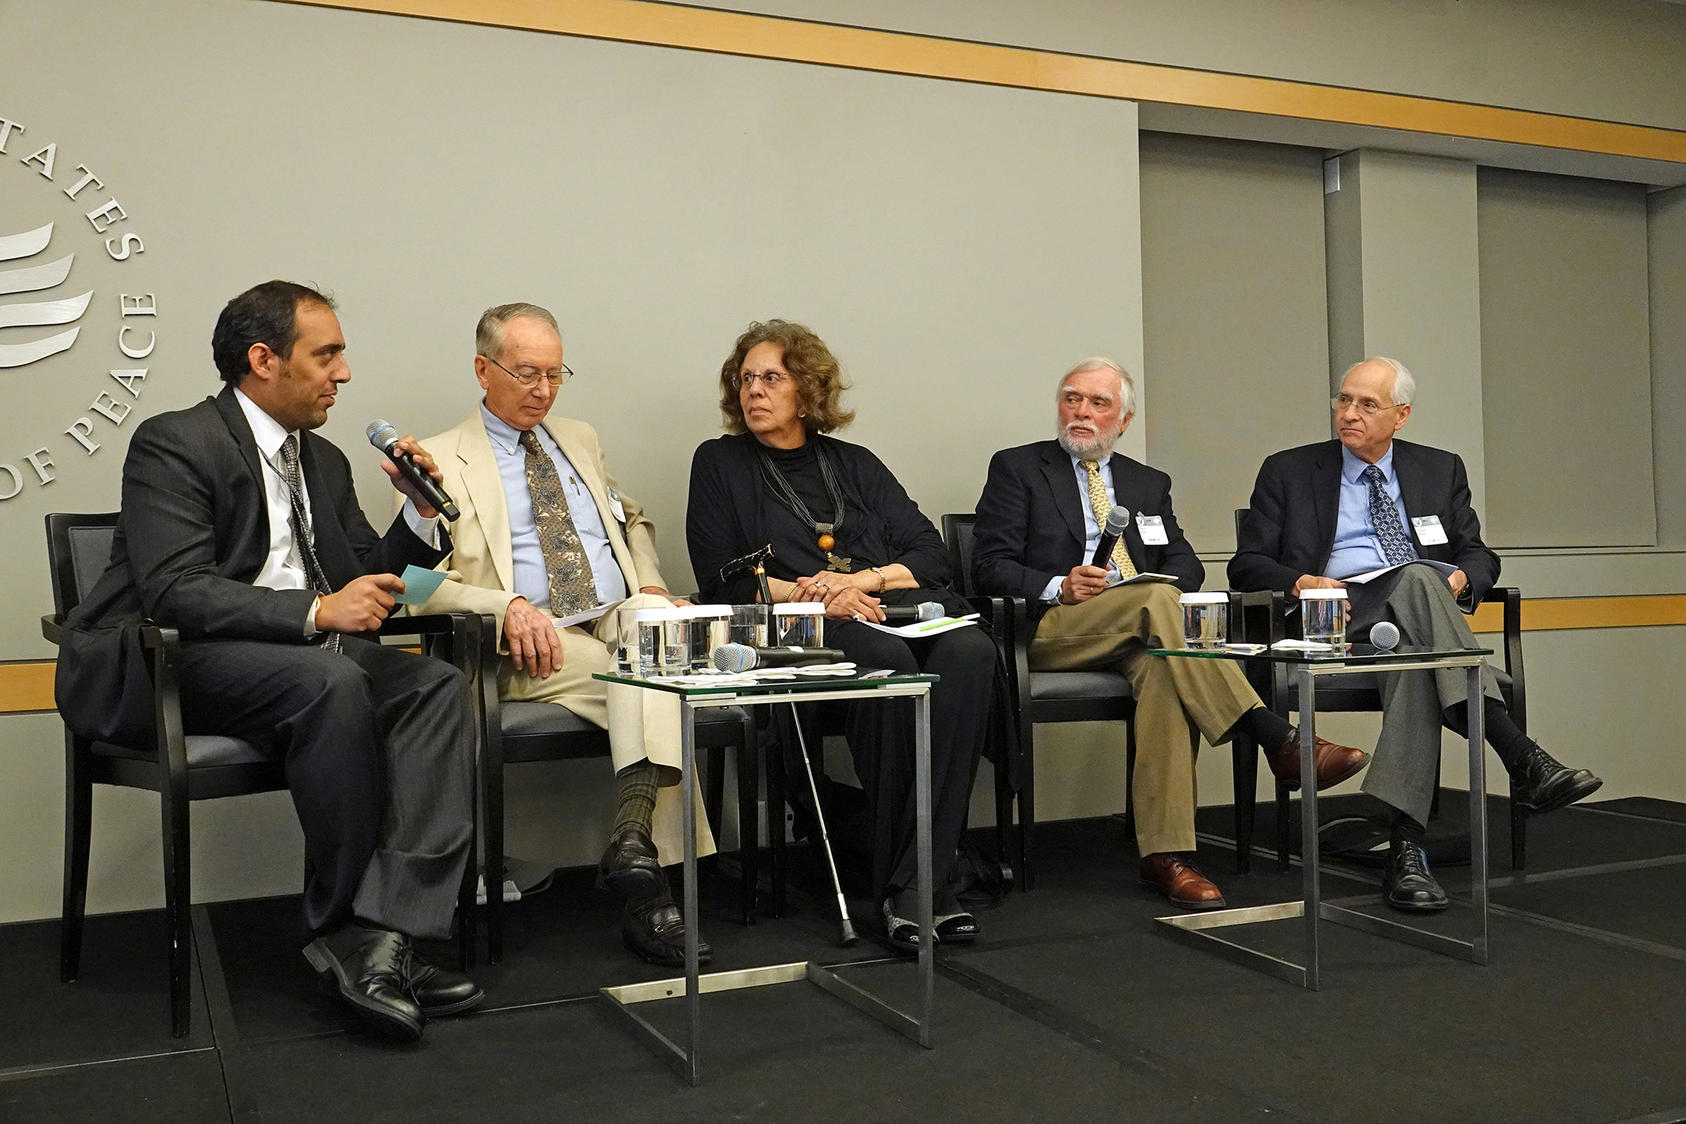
{"x": 1265, "y": 727}
{"x": 1407, "y": 830}
{"x": 1507, "y": 740}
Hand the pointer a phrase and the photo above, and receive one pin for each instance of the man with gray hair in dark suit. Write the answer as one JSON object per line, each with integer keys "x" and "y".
{"x": 1039, "y": 527}
{"x": 1321, "y": 516}
{"x": 240, "y": 529}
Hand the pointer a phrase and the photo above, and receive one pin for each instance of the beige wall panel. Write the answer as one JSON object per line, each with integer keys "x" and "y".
{"x": 1666, "y": 240}
{"x": 1610, "y": 59}
{"x": 1565, "y": 354}
{"x": 1233, "y": 317}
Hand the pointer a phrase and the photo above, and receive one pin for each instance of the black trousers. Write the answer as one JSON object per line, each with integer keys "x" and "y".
{"x": 378, "y": 749}
{"x": 881, "y": 739}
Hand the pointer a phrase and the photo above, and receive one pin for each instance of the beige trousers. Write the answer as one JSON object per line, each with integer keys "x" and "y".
{"x": 641, "y": 723}
{"x": 1175, "y": 698}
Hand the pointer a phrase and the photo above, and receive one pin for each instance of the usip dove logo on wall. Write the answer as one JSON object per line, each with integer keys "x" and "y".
{"x": 29, "y": 314}
{"x": 73, "y": 322}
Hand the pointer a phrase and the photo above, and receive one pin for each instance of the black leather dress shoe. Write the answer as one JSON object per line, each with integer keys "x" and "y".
{"x": 631, "y": 869}
{"x": 368, "y": 967}
{"x": 655, "y": 930}
{"x": 1543, "y": 784}
{"x": 438, "y": 992}
{"x": 1407, "y": 884}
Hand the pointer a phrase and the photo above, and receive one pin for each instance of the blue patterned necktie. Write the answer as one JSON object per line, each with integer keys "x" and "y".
{"x": 1384, "y": 516}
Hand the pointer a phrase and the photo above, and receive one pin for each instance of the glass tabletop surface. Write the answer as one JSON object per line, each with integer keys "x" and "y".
{"x": 1364, "y": 654}
{"x": 762, "y": 683}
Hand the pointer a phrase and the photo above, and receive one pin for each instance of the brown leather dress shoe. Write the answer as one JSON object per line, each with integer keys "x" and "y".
{"x": 1335, "y": 763}
{"x": 1183, "y": 885}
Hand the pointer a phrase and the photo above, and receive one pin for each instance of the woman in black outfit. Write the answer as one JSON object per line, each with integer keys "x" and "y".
{"x": 845, "y": 533}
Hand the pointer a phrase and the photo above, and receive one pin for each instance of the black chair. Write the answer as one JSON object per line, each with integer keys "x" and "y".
{"x": 1266, "y": 615}
{"x": 182, "y": 768}
{"x": 1064, "y": 696}
{"x": 518, "y": 732}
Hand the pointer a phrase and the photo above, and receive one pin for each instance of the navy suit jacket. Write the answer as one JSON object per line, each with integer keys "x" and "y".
{"x": 1030, "y": 525}
{"x": 1289, "y": 529}
{"x": 192, "y": 535}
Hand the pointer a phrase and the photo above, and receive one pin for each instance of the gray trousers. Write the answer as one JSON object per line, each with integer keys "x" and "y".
{"x": 379, "y": 753}
{"x": 1418, "y": 600}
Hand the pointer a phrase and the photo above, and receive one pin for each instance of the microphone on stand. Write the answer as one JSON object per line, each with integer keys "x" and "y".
{"x": 1384, "y": 635}
{"x": 383, "y": 436}
{"x": 912, "y": 614}
{"x": 742, "y": 657}
{"x": 1116, "y": 520}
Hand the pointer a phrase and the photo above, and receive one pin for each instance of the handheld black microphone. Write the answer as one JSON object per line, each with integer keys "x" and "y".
{"x": 383, "y": 436}
{"x": 1384, "y": 635}
{"x": 742, "y": 657}
{"x": 1116, "y": 520}
{"x": 912, "y": 614}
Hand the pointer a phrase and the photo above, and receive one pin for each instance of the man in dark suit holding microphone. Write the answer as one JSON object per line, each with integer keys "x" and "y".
{"x": 240, "y": 528}
{"x": 1040, "y": 526}
{"x": 1321, "y": 516}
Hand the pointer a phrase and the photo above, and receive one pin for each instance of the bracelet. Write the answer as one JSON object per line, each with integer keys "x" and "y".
{"x": 794, "y": 590}
{"x": 882, "y": 580}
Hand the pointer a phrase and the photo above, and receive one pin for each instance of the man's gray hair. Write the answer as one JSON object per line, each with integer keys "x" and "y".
{"x": 488, "y": 334}
{"x": 1126, "y": 384}
{"x": 1404, "y": 383}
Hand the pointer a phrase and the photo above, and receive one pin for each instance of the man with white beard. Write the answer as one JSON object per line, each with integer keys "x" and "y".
{"x": 1039, "y": 523}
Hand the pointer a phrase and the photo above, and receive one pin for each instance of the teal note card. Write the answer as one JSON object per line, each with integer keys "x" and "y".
{"x": 419, "y": 585}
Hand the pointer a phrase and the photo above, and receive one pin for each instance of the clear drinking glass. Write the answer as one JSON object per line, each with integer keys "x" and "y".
{"x": 1205, "y": 620}
{"x": 799, "y": 625}
{"x": 748, "y": 625}
{"x": 1323, "y": 616}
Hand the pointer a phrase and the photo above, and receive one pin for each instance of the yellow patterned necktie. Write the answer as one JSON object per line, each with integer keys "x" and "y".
{"x": 573, "y": 588}
{"x": 1102, "y": 507}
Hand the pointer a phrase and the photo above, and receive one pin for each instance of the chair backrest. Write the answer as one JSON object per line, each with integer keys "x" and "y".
{"x": 78, "y": 551}
{"x": 959, "y": 533}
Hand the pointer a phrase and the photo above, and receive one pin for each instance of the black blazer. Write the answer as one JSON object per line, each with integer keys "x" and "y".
{"x": 1289, "y": 529}
{"x": 193, "y": 533}
{"x": 1030, "y": 525}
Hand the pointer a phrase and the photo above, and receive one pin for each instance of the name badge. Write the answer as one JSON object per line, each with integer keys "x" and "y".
{"x": 1429, "y": 530}
{"x": 619, "y": 509}
{"x": 1152, "y": 529}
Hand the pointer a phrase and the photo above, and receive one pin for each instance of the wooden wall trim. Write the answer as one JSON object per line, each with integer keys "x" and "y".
{"x": 772, "y": 37}
{"x": 26, "y": 686}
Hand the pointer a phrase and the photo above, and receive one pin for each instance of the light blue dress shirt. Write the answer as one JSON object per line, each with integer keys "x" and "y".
{"x": 532, "y": 580}
{"x": 1091, "y": 526}
{"x": 1357, "y": 549}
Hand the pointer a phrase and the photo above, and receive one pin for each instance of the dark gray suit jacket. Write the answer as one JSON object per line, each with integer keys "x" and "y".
{"x": 1030, "y": 525}
{"x": 1289, "y": 529}
{"x": 193, "y": 533}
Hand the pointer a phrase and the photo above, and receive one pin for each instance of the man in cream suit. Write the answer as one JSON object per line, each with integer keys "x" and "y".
{"x": 545, "y": 534}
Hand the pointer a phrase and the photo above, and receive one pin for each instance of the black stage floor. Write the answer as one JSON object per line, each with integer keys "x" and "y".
{"x": 1074, "y": 1006}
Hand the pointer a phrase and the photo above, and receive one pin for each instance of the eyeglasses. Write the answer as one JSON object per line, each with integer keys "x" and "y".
{"x": 1370, "y": 409}
{"x": 772, "y": 380}
{"x": 530, "y": 379}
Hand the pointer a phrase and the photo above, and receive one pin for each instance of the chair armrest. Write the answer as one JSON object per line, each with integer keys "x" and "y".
{"x": 992, "y": 611}
{"x": 1510, "y": 598}
{"x": 1259, "y": 614}
{"x": 52, "y": 629}
{"x": 457, "y": 635}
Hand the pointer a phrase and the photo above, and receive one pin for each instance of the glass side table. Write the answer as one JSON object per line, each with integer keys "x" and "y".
{"x": 735, "y": 691}
{"x": 1306, "y": 667}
